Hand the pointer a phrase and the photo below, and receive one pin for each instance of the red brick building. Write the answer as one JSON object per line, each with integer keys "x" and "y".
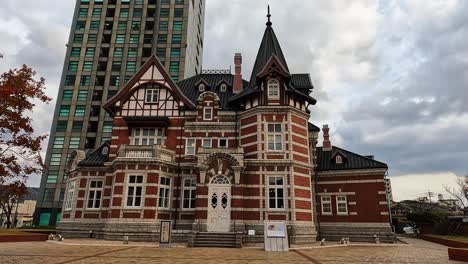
{"x": 218, "y": 153}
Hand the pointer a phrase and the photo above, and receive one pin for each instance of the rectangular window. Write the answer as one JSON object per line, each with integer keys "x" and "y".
{"x": 92, "y": 38}
{"x": 80, "y": 25}
{"x": 222, "y": 143}
{"x": 132, "y": 52}
{"x": 120, "y": 39}
{"x": 61, "y": 126}
{"x": 208, "y": 113}
{"x": 176, "y": 38}
{"x": 178, "y": 12}
{"x": 147, "y": 136}
{"x": 162, "y": 38}
{"x": 174, "y": 66}
{"x": 118, "y": 52}
{"x": 134, "y": 191}
{"x": 75, "y": 52}
{"x": 64, "y": 110}
{"x": 90, "y": 52}
{"x": 124, "y": 12}
{"x": 67, "y": 95}
{"x": 163, "y": 26}
{"x": 152, "y": 96}
{"x": 190, "y": 146}
{"x": 178, "y": 26}
{"x": 73, "y": 66}
{"x": 131, "y": 66}
{"x": 275, "y": 192}
{"x": 161, "y": 53}
{"x": 164, "y": 12}
{"x": 115, "y": 80}
{"x": 82, "y": 95}
{"x": 122, "y": 25}
{"x": 175, "y": 52}
{"x": 80, "y": 110}
{"x": 134, "y": 39}
{"x": 94, "y": 195}
{"x": 207, "y": 143}
{"x": 179, "y": 2}
{"x": 55, "y": 159}
{"x": 107, "y": 128}
{"x": 275, "y": 137}
{"x": 83, "y": 12}
{"x": 326, "y": 205}
{"x": 77, "y": 126}
{"x": 85, "y": 80}
{"x": 136, "y": 25}
{"x": 59, "y": 142}
{"x": 70, "y": 80}
{"x": 74, "y": 143}
{"x": 52, "y": 177}
{"x": 189, "y": 190}
{"x": 97, "y": 12}
{"x": 88, "y": 66}
{"x": 94, "y": 25}
{"x": 341, "y": 205}
{"x": 78, "y": 38}
{"x": 164, "y": 192}
{"x": 70, "y": 193}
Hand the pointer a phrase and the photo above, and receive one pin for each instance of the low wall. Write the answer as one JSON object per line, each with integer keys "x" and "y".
{"x": 445, "y": 242}
{"x": 23, "y": 237}
{"x": 458, "y": 254}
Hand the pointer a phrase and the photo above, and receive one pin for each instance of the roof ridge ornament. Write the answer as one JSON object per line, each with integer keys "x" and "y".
{"x": 269, "y": 16}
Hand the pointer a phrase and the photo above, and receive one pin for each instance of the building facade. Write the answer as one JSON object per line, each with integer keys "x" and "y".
{"x": 216, "y": 153}
{"x": 108, "y": 43}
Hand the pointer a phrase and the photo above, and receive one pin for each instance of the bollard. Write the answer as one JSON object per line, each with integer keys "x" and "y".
{"x": 125, "y": 240}
{"x": 90, "y": 233}
{"x": 322, "y": 242}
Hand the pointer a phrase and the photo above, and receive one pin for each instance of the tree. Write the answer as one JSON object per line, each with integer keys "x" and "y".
{"x": 460, "y": 193}
{"x": 10, "y": 196}
{"x": 19, "y": 146}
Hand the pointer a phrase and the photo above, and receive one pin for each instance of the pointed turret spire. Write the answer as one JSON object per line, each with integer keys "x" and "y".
{"x": 269, "y": 16}
{"x": 269, "y": 47}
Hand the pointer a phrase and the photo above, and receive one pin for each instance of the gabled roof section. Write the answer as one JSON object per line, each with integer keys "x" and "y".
{"x": 269, "y": 47}
{"x": 151, "y": 71}
{"x": 190, "y": 89}
{"x": 313, "y": 127}
{"x": 96, "y": 158}
{"x": 325, "y": 161}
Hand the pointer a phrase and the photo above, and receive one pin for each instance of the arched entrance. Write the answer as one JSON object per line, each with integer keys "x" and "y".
{"x": 219, "y": 204}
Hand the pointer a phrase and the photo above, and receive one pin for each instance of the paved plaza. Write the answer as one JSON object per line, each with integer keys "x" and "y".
{"x": 416, "y": 251}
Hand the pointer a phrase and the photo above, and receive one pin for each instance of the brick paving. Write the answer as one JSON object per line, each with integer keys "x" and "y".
{"x": 417, "y": 251}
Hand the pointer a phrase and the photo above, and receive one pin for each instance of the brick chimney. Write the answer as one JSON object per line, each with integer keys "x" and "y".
{"x": 327, "y": 146}
{"x": 237, "y": 86}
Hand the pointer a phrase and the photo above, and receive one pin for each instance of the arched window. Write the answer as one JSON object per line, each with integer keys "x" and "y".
{"x": 339, "y": 159}
{"x": 223, "y": 87}
{"x": 201, "y": 87}
{"x": 273, "y": 88}
{"x": 105, "y": 151}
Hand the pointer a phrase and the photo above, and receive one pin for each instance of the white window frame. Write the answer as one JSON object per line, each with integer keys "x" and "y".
{"x": 154, "y": 96}
{"x": 219, "y": 143}
{"x": 326, "y": 200}
{"x": 208, "y": 115}
{"x": 201, "y": 87}
{"x": 205, "y": 140}
{"x": 92, "y": 194}
{"x": 191, "y": 190}
{"x": 138, "y": 136}
{"x": 135, "y": 185}
{"x": 166, "y": 189}
{"x": 273, "y": 88}
{"x": 339, "y": 159}
{"x": 70, "y": 195}
{"x": 190, "y": 146}
{"x": 223, "y": 87}
{"x": 276, "y": 187}
{"x": 345, "y": 202}
{"x": 274, "y": 137}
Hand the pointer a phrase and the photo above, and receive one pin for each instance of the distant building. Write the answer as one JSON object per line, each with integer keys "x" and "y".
{"x": 23, "y": 212}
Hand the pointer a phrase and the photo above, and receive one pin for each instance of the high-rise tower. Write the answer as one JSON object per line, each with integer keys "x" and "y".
{"x": 109, "y": 40}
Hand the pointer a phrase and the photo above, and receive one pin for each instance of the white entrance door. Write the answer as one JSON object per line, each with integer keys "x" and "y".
{"x": 219, "y": 204}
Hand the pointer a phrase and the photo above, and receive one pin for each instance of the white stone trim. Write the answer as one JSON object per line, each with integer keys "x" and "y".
{"x": 348, "y": 182}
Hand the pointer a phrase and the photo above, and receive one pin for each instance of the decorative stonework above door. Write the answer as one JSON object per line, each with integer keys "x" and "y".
{"x": 212, "y": 163}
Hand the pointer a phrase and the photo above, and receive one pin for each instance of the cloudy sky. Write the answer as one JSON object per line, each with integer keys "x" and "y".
{"x": 390, "y": 76}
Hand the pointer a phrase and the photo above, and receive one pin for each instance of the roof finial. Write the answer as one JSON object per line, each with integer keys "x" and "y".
{"x": 269, "y": 16}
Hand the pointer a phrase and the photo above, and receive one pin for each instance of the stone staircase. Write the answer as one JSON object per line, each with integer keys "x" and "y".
{"x": 222, "y": 240}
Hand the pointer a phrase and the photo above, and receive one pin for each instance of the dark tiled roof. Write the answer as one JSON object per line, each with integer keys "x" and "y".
{"x": 270, "y": 46}
{"x": 302, "y": 81}
{"x": 351, "y": 161}
{"x": 96, "y": 158}
{"x": 313, "y": 127}
{"x": 212, "y": 80}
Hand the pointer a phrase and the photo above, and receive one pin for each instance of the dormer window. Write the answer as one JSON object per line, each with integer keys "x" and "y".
{"x": 273, "y": 88}
{"x": 105, "y": 151}
{"x": 201, "y": 87}
{"x": 223, "y": 87}
{"x": 339, "y": 159}
{"x": 152, "y": 96}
